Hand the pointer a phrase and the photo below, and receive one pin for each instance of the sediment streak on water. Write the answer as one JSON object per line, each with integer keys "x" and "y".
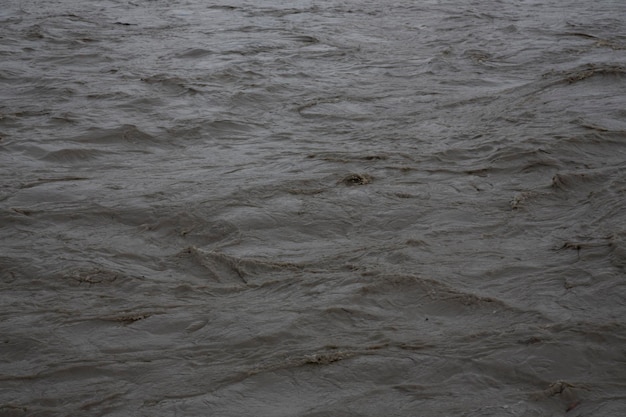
{"x": 312, "y": 208}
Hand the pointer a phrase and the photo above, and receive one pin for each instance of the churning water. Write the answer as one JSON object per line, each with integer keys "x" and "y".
{"x": 313, "y": 208}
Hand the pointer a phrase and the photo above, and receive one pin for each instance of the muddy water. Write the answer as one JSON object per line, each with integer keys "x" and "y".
{"x": 290, "y": 208}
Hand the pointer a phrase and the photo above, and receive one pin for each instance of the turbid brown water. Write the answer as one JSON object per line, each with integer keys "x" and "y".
{"x": 320, "y": 208}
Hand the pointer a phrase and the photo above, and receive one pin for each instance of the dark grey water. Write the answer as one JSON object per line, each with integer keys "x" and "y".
{"x": 320, "y": 208}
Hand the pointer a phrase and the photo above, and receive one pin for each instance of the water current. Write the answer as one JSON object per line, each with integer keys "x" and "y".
{"x": 312, "y": 208}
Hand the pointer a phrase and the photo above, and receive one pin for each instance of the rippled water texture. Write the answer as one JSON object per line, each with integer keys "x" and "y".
{"x": 312, "y": 208}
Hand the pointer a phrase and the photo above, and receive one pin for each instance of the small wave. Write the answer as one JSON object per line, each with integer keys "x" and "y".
{"x": 335, "y": 107}
{"x": 73, "y": 155}
{"x": 220, "y": 268}
{"x": 171, "y": 84}
{"x": 439, "y": 299}
{"x": 304, "y": 39}
{"x": 571, "y": 76}
{"x": 567, "y": 180}
{"x": 41, "y": 181}
{"x": 193, "y": 53}
{"x": 127, "y": 135}
{"x": 96, "y": 277}
{"x": 594, "y": 70}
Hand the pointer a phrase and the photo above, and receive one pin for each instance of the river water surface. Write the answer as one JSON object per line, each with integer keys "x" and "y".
{"x": 313, "y": 208}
